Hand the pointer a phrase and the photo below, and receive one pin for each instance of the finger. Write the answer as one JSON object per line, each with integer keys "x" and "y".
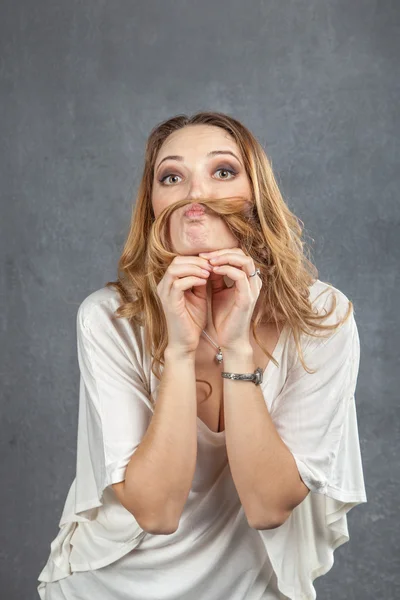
{"x": 243, "y": 261}
{"x": 187, "y": 260}
{"x": 220, "y": 270}
{"x": 182, "y": 285}
{"x": 219, "y": 252}
{"x": 217, "y": 282}
{"x": 178, "y": 272}
{"x": 237, "y": 275}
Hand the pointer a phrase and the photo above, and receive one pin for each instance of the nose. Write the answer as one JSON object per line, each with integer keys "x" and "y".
{"x": 198, "y": 187}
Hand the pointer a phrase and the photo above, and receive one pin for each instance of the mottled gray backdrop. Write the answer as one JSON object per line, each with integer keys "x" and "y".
{"x": 82, "y": 84}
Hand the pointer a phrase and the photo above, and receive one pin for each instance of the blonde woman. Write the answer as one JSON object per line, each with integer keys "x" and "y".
{"x": 218, "y": 451}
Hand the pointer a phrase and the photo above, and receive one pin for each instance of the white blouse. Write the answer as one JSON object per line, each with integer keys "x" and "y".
{"x": 101, "y": 551}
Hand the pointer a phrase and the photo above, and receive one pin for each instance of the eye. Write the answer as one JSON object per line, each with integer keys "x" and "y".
{"x": 162, "y": 180}
{"x": 232, "y": 172}
{"x": 224, "y": 169}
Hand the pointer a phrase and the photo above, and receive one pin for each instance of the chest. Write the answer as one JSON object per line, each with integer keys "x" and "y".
{"x": 211, "y": 410}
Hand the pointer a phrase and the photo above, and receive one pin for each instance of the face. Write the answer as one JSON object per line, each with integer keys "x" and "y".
{"x": 194, "y": 175}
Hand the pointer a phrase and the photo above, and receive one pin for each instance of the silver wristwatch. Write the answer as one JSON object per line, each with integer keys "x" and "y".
{"x": 255, "y": 377}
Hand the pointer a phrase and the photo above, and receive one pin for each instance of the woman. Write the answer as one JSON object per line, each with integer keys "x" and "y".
{"x": 218, "y": 450}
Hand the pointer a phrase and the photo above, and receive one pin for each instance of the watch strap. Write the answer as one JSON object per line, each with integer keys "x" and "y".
{"x": 256, "y": 377}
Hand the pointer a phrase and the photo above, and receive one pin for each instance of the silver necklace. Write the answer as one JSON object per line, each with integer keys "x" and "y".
{"x": 218, "y": 356}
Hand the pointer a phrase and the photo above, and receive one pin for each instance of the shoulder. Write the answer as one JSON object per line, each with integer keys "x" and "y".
{"x": 98, "y": 324}
{"x": 99, "y": 305}
{"x": 323, "y": 296}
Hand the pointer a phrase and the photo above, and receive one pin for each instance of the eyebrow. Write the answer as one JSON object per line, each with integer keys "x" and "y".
{"x": 212, "y": 153}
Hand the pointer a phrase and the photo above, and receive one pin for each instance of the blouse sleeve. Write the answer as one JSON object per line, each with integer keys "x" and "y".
{"x": 114, "y": 406}
{"x": 315, "y": 415}
{"x": 114, "y": 413}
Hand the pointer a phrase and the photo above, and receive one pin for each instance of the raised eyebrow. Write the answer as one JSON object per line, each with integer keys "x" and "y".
{"x": 212, "y": 153}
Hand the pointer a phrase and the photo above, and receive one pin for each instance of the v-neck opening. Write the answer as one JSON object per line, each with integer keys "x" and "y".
{"x": 275, "y": 353}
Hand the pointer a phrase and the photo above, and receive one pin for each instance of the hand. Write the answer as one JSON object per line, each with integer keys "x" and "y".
{"x": 232, "y": 308}
{"x": 185, "y": 310}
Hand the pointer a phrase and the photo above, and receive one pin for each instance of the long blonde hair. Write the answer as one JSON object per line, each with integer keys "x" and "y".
{"x": 267, "y": 231}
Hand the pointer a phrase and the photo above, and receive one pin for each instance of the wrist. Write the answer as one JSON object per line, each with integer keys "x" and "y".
{"x": 179, "y": 355}
{"x": 238, "y": 360}
{"x": 244, "y": 350}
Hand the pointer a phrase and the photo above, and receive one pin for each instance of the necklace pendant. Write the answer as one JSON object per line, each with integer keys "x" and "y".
{"x": 219, "y": 356}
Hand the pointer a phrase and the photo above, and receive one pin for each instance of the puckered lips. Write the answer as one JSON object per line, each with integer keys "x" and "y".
{"x": 194, "y": 211}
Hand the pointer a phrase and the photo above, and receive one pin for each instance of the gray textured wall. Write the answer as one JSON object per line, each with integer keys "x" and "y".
{"x": 82, "y": 84}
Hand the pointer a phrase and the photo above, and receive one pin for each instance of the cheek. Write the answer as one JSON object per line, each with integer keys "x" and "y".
{"x": 162, "y": 198}
{"x": 242, "y": 187}
{"x": 245, "y": 188}
{"x": 158, "y": 205}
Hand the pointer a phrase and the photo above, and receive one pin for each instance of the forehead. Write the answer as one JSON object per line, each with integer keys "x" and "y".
{"x": 196, "y": 140}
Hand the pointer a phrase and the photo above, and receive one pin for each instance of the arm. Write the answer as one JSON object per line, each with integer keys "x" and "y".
{"x": 277, "y": 459}
{"x": 263, "y": 468}
{"x": 160, "y": 473}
